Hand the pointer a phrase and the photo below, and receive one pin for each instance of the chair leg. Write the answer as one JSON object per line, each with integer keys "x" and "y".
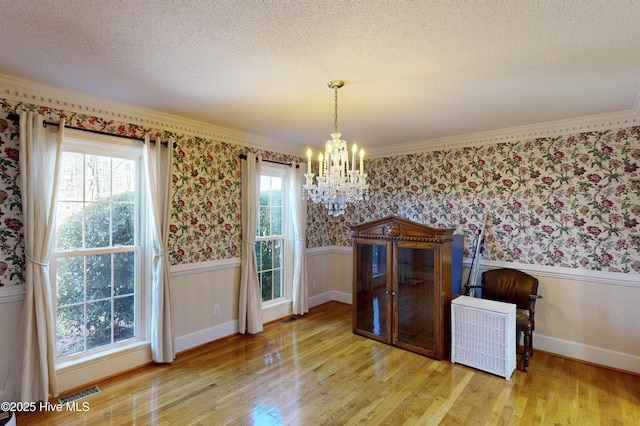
{"x": 526, "y": 351}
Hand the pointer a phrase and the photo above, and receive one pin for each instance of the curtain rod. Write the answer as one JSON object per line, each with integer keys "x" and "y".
{"x": 99, "y": 132}
{"x": 244, "y": 157}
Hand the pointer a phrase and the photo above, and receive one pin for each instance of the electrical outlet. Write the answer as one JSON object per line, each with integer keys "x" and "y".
{"x": 315, "y": 284}
{"x": 216, "y": 309}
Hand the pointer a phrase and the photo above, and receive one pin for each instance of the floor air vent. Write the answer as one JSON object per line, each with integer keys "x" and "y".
{"x": 79, "y": 395}
{"x": 284, "y": 321}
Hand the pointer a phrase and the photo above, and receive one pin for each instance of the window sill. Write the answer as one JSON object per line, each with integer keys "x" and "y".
{"x": 101, "y": 356}
{"x": 277, "y": 310}
{"x": 81, "y": 371}
{"x": 278, "y": 302}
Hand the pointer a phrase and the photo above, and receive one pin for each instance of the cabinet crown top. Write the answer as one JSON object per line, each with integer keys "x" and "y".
{"x": 401, "y": 228}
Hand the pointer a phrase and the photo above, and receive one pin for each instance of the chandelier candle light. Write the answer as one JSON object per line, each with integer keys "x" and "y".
{"x": 338, "y": 181}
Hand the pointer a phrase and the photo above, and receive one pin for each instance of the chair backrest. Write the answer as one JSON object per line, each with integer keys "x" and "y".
{"x": 509, "y": 285}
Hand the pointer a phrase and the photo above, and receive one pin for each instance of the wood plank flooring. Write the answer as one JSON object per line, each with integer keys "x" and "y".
{"x": 314, "y": 371}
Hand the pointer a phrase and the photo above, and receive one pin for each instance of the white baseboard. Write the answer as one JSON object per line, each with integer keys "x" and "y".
{"x": 206, "y": 335}
{"x": 590, "y": 354}
{"x": 339, "y": 296}
{"x": 569, "y": 349}
{"x": 319, "y": 299}
{"x": 210, "y": 334}
{"x": 330, "y": 296}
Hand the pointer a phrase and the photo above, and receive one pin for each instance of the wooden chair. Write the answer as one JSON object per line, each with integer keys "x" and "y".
{"x": 513, "y": 286}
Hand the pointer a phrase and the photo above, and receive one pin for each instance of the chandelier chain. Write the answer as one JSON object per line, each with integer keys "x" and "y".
{"x": 335, "y": 113}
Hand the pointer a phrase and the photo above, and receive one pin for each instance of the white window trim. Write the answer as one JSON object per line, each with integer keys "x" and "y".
{"x": 281, "y": 170}
{"x": 77, "y": 141}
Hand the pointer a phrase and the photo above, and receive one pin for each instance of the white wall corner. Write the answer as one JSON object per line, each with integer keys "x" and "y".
{"x": 206, "y": 335}
{"x": 319, "y": 299}
{"x": 342, "y": 297}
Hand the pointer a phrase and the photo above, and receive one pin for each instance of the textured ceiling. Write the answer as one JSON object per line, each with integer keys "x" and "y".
{"x": 415, "y": 70}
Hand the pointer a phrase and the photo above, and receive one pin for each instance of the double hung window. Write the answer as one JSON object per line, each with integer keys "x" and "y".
{"x": 97, "y": 258}
{"x": 270, "y": 238}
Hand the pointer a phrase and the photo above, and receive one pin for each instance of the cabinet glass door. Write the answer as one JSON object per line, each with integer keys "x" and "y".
{"x": 415, "y": 293}
{"x": 372, "y": 285}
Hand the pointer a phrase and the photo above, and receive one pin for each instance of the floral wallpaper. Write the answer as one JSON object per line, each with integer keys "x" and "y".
{"x": 205, "y": 218}
{"x": 206, "y": 210}
{"x": 206, "y": 223}
{"x": 571, "y": 201}
{"x": 11, "y": 247}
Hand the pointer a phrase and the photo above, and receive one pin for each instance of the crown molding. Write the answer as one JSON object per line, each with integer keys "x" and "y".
{"x": 592, "y": 123}
{"x": 26, "y": 91}
{"x": 16, "y": 89}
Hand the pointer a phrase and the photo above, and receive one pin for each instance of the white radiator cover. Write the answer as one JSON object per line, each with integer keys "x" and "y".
{"x": 483, "y": 335}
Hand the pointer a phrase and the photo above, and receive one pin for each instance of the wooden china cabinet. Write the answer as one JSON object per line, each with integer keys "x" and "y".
{"x": 402, "y": 283}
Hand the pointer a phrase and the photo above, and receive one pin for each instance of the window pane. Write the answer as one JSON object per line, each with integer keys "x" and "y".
{"x": 69, "y": 217}
{"x": 71, "y": 177}
{"x": 98, "y": 324}
{"x": 97, "y": 225}
{"x": 97, "y": 178}
{"x": 259, "y": 255}
{"x": 277, "y": 253}
{"x": 123, "y": 179}
{"x": 276, "y": 192}
{"x": 123, "y": 318}
{"x": 266, "y": 280}
{"x": 70, "y": 280}
{"x": 266, "y": 255}
{"x": 98, "y": 276}
{"x": 276, "y": 221}
{"x": 124, "y": 265}
{"x": 265, "y": 184}
{"x": 264, "y": 222}
{"x": 123, "y": 223}
{"x": 69, "y": 337}
{"x": 277, "y": 283}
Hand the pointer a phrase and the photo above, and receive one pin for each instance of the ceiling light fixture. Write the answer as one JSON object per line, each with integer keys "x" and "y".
{"x": 339, "y": 181}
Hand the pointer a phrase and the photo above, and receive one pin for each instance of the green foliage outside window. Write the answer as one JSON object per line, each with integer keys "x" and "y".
{"x": 109, "y": 293}
{"x": 270, "y": 252}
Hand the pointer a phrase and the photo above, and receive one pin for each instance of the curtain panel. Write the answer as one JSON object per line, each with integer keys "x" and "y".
{"x": 250, "y": 300}
{"x": 40, "y": 152}
{"x": 298, "y": 234}
{"x": 158, "y": 167}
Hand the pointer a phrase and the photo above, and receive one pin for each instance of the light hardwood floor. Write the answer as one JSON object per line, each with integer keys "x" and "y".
{"x": 314, "y": 371}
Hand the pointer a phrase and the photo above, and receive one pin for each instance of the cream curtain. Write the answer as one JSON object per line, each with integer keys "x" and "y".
{"x": 250, "y": 300}
{"x": 158, "y": 163}
{"x": 40, "y": 151}
{"x": 298, "y": 233}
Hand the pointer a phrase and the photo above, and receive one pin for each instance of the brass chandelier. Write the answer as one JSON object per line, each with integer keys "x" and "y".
{"x": 339, "y": 181}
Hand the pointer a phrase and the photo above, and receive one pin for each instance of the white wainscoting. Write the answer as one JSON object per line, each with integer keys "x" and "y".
{"x": 585, "y": 315}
